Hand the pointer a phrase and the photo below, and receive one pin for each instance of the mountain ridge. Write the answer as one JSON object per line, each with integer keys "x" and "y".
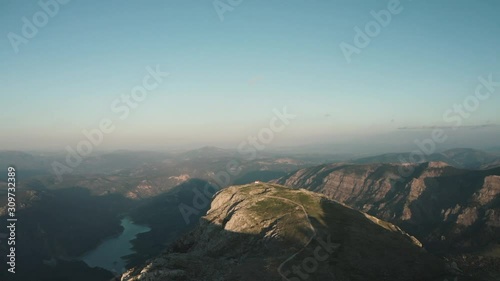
{"x": 271, "y": 232}
{"x": 445, "y": 207}
{"x": 463, "y": 158}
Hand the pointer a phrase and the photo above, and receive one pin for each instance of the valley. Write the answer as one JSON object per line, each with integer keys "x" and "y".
{"x": 233, "y": 140}
{"x": 91, "y": 216}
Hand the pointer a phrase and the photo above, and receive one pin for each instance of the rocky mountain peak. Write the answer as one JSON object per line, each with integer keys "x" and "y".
{"x": 271, "y": 232}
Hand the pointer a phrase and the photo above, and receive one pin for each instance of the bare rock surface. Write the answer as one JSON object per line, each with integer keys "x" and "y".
{"x": 446, "y": 208}
{"x": 271, "y": 232}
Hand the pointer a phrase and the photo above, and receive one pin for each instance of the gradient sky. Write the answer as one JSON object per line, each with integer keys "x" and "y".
{"x": 226, "y": 77}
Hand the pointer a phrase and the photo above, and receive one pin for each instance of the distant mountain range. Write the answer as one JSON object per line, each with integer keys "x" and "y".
{"x": 448, "y": 209}
{"x": 464, "y": 158}
{"x": 451, "y": 204}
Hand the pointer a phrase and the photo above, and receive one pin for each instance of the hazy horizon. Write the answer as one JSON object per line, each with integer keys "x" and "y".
{"x": 230, "y": 71}
{"x": 250, "y": 140}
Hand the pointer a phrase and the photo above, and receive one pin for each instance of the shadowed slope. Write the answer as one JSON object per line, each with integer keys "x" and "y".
{"x": 270, "y": 232}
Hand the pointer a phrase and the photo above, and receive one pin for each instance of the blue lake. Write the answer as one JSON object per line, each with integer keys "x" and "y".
{"x": 109, "y": 253}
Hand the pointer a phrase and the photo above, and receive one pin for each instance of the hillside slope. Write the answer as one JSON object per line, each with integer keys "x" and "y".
{"x": 270, "y": 232}
{"x": 449, "y": 209}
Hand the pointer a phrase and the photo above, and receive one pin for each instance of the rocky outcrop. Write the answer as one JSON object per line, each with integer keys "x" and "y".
{"x": 270, "y": 232}
{"x": 449, "y": 209}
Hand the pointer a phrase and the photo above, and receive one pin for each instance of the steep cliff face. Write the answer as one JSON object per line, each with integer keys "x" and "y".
{"x": 270, "y": 232}
{"x": 446, "y": 208}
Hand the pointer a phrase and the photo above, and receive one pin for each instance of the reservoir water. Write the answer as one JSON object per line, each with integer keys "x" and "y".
{"x": 109, "y": 253}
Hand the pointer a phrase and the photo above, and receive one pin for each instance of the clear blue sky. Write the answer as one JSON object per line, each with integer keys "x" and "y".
{"x": 227, "y": 76}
